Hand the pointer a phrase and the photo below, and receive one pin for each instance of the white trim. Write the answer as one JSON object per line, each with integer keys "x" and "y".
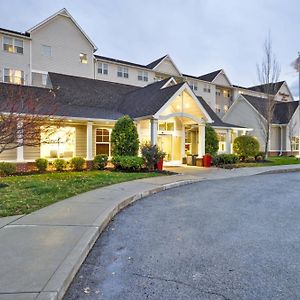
{"x": 168, "y": 82}
{"x": 15, "y": 34}
{"x": 63, "y": 12}
{"x": 223, "y": 72}
{"x": 182, "y": 114}
{"x": 169, "y": 57}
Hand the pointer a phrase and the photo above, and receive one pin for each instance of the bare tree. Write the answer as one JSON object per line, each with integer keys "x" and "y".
{"x": 23, "y": 110}
{"x": 268, "y": 73}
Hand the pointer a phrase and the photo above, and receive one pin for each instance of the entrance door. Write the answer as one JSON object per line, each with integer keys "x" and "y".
{"x": 164, "y": 142}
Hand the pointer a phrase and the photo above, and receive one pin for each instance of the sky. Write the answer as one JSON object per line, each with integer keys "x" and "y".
{"x": 200, "y": 35}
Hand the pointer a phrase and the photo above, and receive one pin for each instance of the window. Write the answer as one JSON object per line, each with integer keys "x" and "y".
{"x": 102, "y": 141}
{"x": 226, "y": 93}
{"x": 46, "y": 50}
{"x": 218, "y": 109}
{"x": 58, "y": 142}
{"x": 166, "y": 126}
{"x": 102, "y": 68}
{"x": 206, "y": 88}
{"x": 225, "y": 108}
{"x": 123, "y": 72}
{"x": 222, "y": 141}
{"x": 295, "y": 143}
{"x": 13, "y": 76}
{"x": 12, "y": 45}
{"x": 193, "y": 85}
{"x": 142, "y": 75}
{"x": 218, "y": 92}
{"x": 83, "y": 58}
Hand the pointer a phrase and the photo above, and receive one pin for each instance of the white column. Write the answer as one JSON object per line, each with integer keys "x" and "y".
{"x": 20, "y": 140}
{"x": 89, "y": 141}
{"x": 228, "y": 141}
{"x": 153, "y": 131}
{"x": 201, "y": 140}
{"x": 183, "y": 142}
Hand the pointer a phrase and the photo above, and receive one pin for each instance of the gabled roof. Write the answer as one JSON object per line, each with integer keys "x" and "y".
{"x": 217, "y": 121}
{"x": 282, "y": 112}
{"x": 270, "y": 88}
{"x": 154, "y": 63}
{"x": 210, "y": 76}
{"x": 22, "y": 34}
{"x": 63, "y": 12}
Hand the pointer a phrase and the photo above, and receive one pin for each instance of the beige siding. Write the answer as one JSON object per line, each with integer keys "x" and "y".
{"x": 81, "y": 140}
{"x": 8, "y": 155}
{"x": 167, "y": 67}
{"x": 275, "y": 139}
{"x": 221, "y": 80}
{"x": 284, "y": 94}
{"x": 66, "y": 42}
{"x": 177, "y": 148}
{"x": 32, "y": 153}
{"x": 14, "y": 60}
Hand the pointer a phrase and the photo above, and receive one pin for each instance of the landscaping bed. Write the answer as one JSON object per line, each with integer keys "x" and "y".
{"x": 25, "y": 194}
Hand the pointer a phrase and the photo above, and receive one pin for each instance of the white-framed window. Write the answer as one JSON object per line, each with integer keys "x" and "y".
{"x": 103, "y": 141}
{"x": 218, "y": 92}
{"x": 295, "y": 143}
{"x": 142, "y": 75}
{"x": 226, "y": 108}
{"x": 206, "y": 88}
{"x": 102, "y": 68}
{"x": 46, "y": 50}
{"x": 218, "y": 108}
{"x": 123, "y": 72}
{"x": 13, "y": 45}
{"x": 13, "y": 76}
{"x": 166, "y": 126}
{"x": 222, "y": 142}
{"x": 83, "y": 58}
{"x": 193, "y": 85}
{"x": 226, "y": 93}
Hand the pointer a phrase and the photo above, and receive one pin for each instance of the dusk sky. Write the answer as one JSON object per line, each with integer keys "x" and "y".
{"x": 200, "y": 36}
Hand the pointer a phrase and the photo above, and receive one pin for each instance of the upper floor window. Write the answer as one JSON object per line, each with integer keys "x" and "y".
{"x": 218, "y": 92}
{"x": 226, "y": 108}
{"x": 83, "y": 58}
{"x": 12, "y": 45}
{"x": 218, "y": 108}
{"x": 102, "y": 68}
{"x": 46, "y": 50}
{"x": 123, "y": 72}
{"x": 193, "y": 85}
{"x": 13, "y": 76}
{"x": 143, "y": 76}
{"x": 226, "y": 93}
{"x": 206, "y": 88}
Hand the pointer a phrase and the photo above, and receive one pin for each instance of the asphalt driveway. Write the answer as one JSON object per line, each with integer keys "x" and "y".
{"x": 237, "y": 238}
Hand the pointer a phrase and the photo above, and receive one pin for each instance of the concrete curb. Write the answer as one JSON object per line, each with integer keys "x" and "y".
{"x": 63, "y": 276}
{"x": 287, "y": 170}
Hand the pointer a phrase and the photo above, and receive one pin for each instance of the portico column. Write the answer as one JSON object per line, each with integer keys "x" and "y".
{"x": 153, "y": 131}
{"x": 183, "y": 142}
{"x": 20, "y": 140}
{"x": 228, "y": 141}
{"x": 89, "y": 141}
{"x": 201, "y": 140}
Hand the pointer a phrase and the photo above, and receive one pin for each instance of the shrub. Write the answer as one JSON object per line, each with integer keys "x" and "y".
{"x": 259, "y": 156}
{"x": 225, "y": 159}
{"x": 128, "y": 163}
{"x": 246, "y": 146}
{"x": 41, "y": 164}
{"x": 7, "y": 168}
{"x": 100, "y": 161}
{"x": 59, "y": 164}
{"x": 211, "y": 140}
{"x": 77, "y": 163}
{"x": 151, "y": 155}
{"x": 124, "y": 138}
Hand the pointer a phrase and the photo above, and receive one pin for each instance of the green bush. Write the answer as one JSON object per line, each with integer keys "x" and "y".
{"x": 7, "y": 168}
{"x": 128, "y": 163}
{"x": 77, "y": 163}
{"x": 211, "y": 140}
{"x": 41, "y": 164}
{"x": 246, "y": 146}
{"x": 151, "y": 155}
{"x": 259, "y": 156}
{"x": 225, "y": 159}
{"x": 59, "y": 164}
{"x": 100, "y": 161}
{"x": 124, "y": 138}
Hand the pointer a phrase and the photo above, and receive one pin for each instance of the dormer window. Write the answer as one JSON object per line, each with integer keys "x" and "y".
{"x": 83, "y": 58}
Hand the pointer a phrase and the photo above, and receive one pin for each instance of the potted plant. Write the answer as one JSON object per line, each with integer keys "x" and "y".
{"x": 160, "y": 160}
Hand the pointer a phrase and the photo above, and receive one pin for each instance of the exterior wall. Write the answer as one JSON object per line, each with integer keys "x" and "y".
{"x": 275, "y": 139}
{"x": 81, "y": 140}
{"x": 132, "y": 71}
{"x": 221, "y": 80}
{"x": 242, "y": 114}
{"x": 284, "y": 94}
{"x": 31, "y": 153}
{"x": 210, "y": 98}
{"x": 66, "y": 42}
{"x": 15, "y": 60}
{"x": 8, "y": 155}
{"x": 167, "y": 67}
{"x": 292, "y": 128}
{"x": 223, "y": 102}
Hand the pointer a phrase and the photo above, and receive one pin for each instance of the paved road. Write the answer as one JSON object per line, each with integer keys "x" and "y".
{"x": 224, "y": 239}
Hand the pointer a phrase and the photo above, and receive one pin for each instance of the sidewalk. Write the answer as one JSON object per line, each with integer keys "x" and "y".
{"x": 40, "y": 253}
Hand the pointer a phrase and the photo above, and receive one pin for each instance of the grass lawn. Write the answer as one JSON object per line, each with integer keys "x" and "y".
{"x": 25, "y": 194}
{"x": 272, "y": 161}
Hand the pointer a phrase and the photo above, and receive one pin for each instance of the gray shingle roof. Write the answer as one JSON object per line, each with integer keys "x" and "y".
{"x": 210, "y": 76}
{"x": 15, "y": 32}
{"x": 154, "y": 63}
{"x": 282, "y": 111}
{"x": 119, "y": 61}
{"x": 271, "y": 88}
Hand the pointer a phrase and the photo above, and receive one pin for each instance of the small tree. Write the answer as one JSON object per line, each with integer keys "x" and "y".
{"x": 246, "y": 146}
{"x": 124, "y": 138}
{"x": 211, "y": 140}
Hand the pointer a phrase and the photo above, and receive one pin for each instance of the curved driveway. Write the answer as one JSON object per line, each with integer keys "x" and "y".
{"x": 223, "y": 239}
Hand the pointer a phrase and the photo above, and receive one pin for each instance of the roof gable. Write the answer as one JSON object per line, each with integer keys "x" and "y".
{"x": 166, "y": 65}
{"x": 270, "y": 88}
{"x": 210, "y": 76}
{"x": 222, "y": 79}
{"x": 65, "y": 13}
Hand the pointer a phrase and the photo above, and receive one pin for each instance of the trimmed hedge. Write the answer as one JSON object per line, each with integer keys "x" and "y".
{"x": 225, "y": 159}
{"x": 59, "y": 164}
{"x": 100, "y": 161}
{"x": 41, "y": 164}
{"x": 77, "y": 163}
{"x": 7, "y": 169}
{"x": 128, "y": 163}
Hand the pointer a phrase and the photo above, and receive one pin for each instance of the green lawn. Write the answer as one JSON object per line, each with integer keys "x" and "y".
{"x": 25, "y": 194}
{"x": 272, "y": 161}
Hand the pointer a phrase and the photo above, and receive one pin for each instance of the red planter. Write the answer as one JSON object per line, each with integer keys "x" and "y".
{"x": 207, "y": 160}
{"x": 159, "y": 165}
